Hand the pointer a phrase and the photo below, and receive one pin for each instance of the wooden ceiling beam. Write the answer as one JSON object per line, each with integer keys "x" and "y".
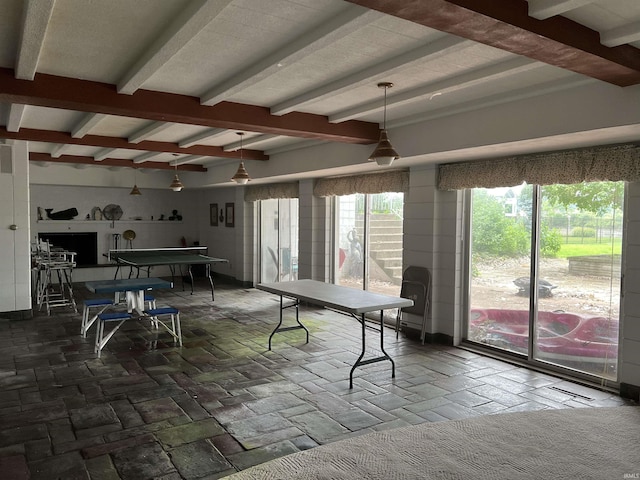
{"x": 506, "y": 24}
{"x": 111, "y": 162}
{"x": 50, "y": 136}
{"x": 88, "y": 96}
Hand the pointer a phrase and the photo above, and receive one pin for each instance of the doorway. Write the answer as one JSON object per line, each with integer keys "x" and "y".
{"x": 278, "y": 240}
{"x": 544, "y": 274}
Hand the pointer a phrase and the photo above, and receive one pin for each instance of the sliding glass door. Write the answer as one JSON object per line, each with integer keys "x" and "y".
{"x": 368, "y": 242}
{"x": 579, "y": 284}
{"x": 545, "y": 274}
{"x": 278, "y": 240}
{"x": 500, "y": 269}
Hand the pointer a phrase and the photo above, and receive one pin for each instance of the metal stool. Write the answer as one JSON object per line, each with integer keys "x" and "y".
{"x": 54, "y": 277}
{"x": 98, "y": 303}
{"x": 174, "y": 315}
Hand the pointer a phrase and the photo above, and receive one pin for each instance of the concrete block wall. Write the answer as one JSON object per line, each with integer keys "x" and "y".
{"x": 630, "y": 308}
{"x": 245, "y": 232}
{"x": 433, "y": 239}
{"x": 419, "y": 239}
{"x": 314, "y": 233}
{"x": 448, "y": 261}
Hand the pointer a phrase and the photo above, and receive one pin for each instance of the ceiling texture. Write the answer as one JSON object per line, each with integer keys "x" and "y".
{"x": 159, "y": 83}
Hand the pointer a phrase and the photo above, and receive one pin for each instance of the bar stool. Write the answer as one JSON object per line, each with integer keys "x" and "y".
{"x": 174, "y": 315}
{"x": 101, "y": 304}
{"x": 54, "y": 277}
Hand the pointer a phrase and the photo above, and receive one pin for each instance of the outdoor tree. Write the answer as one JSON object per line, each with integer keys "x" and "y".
{"x": 494, "y": 233}
{"x": 498, "y": 234}
{"x": 595, "y": 197}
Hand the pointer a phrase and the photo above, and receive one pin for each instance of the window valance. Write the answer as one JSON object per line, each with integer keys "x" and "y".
{"x": 394, "y": 181}
{"x": 273, "y": 190}
{"x": 597, "y": 164}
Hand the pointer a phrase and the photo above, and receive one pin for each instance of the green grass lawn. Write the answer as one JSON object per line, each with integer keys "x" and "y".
{"x": 577, "y": 249}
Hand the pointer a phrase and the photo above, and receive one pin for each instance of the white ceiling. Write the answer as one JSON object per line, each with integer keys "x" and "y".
{"x": 318, "y": 59}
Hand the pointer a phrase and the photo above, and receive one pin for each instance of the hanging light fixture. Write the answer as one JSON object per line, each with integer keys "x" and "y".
{"x": 242, "y": 176}
{"x": 176, "y": 185}
{"x": 135, "y": 190}
{"x": 384, "y": 154}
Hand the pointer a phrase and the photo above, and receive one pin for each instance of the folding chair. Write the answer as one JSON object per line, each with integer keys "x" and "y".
{"x": 416, "y": 285}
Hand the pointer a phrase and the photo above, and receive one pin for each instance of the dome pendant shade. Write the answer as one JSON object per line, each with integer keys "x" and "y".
{"x": 384, "y": 154}
{"x": 135, "y": 190}
{"x": 176, "y": 185}
{"x": 242, "y": 176}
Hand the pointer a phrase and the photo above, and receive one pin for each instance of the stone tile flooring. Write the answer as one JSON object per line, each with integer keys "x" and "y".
{"x": 223, "y": 402}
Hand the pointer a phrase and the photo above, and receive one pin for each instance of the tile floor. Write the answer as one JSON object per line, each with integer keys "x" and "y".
{"x": 223, "y": 402}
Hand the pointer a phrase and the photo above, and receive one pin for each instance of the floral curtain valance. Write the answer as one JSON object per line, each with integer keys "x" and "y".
{"x": 611, "y": 163}
{"x": 394, "y": 181}
{"x": 273, "y": 190}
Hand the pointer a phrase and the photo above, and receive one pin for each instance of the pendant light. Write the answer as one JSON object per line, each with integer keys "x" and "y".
{"x": 242, "y": 176}
{"x": 176, "y": 185}
{"x": 135, "y": 190}
{"x": 384, "y": 154}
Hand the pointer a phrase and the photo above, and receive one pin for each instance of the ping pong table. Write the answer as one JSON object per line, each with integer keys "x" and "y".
{"x": 347, "y": 300}
{"x": 147, "y": 258}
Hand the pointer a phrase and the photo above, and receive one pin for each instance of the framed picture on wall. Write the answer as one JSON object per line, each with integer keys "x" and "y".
{"x": 213, "y": 214}
{"x": 229, "y": 214}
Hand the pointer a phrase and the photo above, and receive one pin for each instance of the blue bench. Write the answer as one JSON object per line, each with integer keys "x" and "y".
{"x": 150, "y": 300}
{"x": 100, "y": 304}
{"x": 174, "y": 316}
{"x": 103, "y": 318}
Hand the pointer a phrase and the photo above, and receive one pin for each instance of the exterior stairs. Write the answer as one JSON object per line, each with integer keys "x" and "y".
{"x": 385, "y": 237}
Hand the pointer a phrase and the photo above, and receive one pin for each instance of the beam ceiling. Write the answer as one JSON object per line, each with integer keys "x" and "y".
{"x": 112, "y": 162}
{"x": 506, "y": 24}
{"x": 63, "y": 138}
{"x": 88, "y": 96}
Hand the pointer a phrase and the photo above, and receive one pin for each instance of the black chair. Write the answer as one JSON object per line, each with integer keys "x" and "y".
{"x": 416, "y": 285}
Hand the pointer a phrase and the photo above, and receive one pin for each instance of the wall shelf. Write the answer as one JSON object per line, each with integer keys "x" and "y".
{"x": 105, "y": 222}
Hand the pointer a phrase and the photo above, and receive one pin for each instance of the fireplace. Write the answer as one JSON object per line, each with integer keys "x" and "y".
{"x": 85, "y": 244}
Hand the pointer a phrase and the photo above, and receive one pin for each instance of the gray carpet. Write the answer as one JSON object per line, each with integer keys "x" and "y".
{"x": 585, "y": 443}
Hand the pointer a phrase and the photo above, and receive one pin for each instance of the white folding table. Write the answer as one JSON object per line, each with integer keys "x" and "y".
{"x": 347, "y": 300}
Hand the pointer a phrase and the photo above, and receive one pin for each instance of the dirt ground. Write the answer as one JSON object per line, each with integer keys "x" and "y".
{"x": 494, "y": 287}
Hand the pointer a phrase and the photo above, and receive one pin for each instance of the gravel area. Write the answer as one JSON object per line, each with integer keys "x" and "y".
{"x": 494, "y": 287}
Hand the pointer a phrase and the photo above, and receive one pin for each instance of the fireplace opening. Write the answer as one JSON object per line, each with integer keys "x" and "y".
{"x": 85, "y": 244}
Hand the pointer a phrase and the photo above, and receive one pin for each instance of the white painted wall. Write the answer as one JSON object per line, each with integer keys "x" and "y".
{"x": 15, "y": 260}
{"x": 223, "y": 241}
{"x": 150, "y": 233}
